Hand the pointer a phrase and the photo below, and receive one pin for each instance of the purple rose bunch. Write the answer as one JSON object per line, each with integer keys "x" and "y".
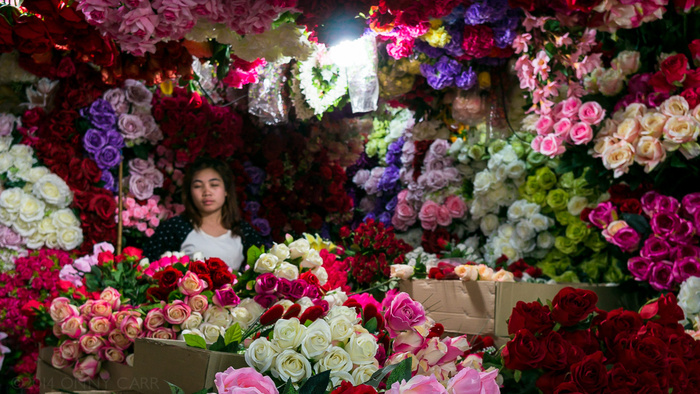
{"x": 102, "y": 140}
{"x": 448, "y": 72}
{"x": 617, "y": 232}
{"x": 270, "y": 289}
{"x": 144, "y": 177}
{"x": 439, "y": 171}
{"x": 669, "y": 256}
{"x": 132, "y": 104}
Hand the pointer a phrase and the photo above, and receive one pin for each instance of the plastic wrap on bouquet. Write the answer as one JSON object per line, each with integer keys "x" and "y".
{"x": 363, "y": 83}
{"x": 469, "y": 108}
{"x": 265, "y": 98}
{"x": 496, "y": 121}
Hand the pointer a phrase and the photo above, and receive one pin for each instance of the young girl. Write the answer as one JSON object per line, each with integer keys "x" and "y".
{"x": 211, "y": 223}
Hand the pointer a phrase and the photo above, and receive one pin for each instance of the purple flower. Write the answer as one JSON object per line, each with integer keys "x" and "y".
{"x": 685, "y": 268}
{"x": 466, "y": 80}
{"x": 101, "y": 115}
{"x": 661, "y": 277}
{"x": 639, "y": 267}
{"x": 110, "y": 182}
{"x": 454, "y": 47}
{"x": 115, "y": 139}
{"x": 391, "y": 205}
{"x": 447, "y": 65}
{"x": 266, "y": 284}
{"x": 283, "y": 287}
{"x": 691, "y": 203}
{"x": 480, "y": 13}
{"x": 252, "y": 207}
{"x": 94, "y": 140}
{"x": 298, "y": 289}
{"x": 655, "y": 249}
{"x": 226, "y": 297}
{"x": 265, "y": 300}
{"x": 108, "y": 157}
{"x": 385, "y": 218}
{"x": 393, "y": 152}
{"x": 503, "y": 37}
{"x": 389, "y": 179}
{"x": 256, "y": 174}
{"x": 10, "y": 239}
{"x": 262, "y": 225}
{"x": 664, "y": 224}
{"x": 428, "y": 49}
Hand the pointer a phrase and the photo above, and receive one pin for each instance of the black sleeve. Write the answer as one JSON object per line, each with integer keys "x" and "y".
{"x": 250, "y": 238}
{"x": 168, "y": 237}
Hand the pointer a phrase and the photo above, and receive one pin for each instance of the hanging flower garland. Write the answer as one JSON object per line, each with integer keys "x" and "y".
{"x": 322, "y": 83}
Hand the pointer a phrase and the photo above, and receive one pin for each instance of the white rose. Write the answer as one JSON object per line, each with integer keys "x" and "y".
{"x": 401, "y": 271}
{"x": 287, "y": 270}
{"x": 218, "y": 316}
{"x": 7, "y": 217}
{"x": 515, "y": 169}
{"x": 341, "y": 328}
{"x": 311, "y": 260}
{"x": 194, "y": 331}
{"x": 288, "y": 334}
{"x": 241, "y": 316}
{"x": 211, "y": 332}
{"x": 6, "y": 161}
{"x": 31, "y": 209}
{"x": 32, "y": 175}
{"x": 362, "y": 348}
{"x": 305, "y": 302}
{"x": 506, "y": 230}
{"x": 482, "y": 181}
{"x": 53, "y": 190}
{"x": 652, "y": 124}
{"x": 11, "y": 199}
{"x": 20, "y": 151}
{"x": 291, "y": 365}
{"x": 335, "y": 298}
{"x": 337, "y": 378}
{"x": 261, "y": 354}
{"x": 321, "y": 274}
{"x": 192, "y": 322}
{"x": 539, "y": 222}
{"x": 689, "y": 296}
{"x": 23, "y": 228}
{"x": 576, "y": 205}
{"x": 281, "y": 251}
{"x": 524, "y": 230}
{"x": 363, "y": 373}
{"x": 266, "y": 263}
{"x": 317, "y": 339}
{"x": 545, "y": 240}
{"x": 515, "y": 211}
{"x": 344, "y": 311}
{"x": 36, "y": 241}
{"x": 489, "y": 224}
{"x": 51, "y": 241}
{"x": 530, "y": 209}
{"x": 334, "y": 360}
{"x": 64, "y": 218}
{"x": 69, "y": 238}
{"x": 299, "y": 248}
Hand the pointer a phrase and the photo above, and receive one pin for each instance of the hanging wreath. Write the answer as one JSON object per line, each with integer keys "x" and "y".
{"x": 322, "y": 83}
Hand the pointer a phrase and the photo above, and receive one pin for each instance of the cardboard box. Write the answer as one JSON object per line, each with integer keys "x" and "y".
{"x": 160, "y": 361}
{"x": 484, "y": 308}
{"x": 121, "y": 377}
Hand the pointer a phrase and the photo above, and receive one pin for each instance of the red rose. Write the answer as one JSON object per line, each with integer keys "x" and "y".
{"x": 674, "y": 68}
{"x": 678, "y": 378}
{"x": 556, "y": 351}
{"x": 66, "y": 68}
{"x": 221, "y": 277}
{"x": 523, "y": 351}
{"x": 694, "y": 47}
{"x": 6, "y": 41}
{"x": 631, "y": 205}
{"x": 619, "y": 192}
{"x": 659, "y": 83}
{"x": 568, "y": 388}
{"x": 31, "y": 36}
{"x": 157, "y": 293}
{"x": 619, "y": 321}
{"x": 549, "y": 381}
{"x": 90, "y": 170}
{"x": 207, "y": 278}
{"x": 216, "y": 264}
{"x": 105, "y": 257}
{"x": 571, "y": 306}
{"x": 198, "y": 267}
{"x": 582, "y": 5}
{"x": 133, "y": 252}
{"x": 167, "y": 278}
{"x": 590, "y": 374}
{"x": 310, "y": 278}
{"x": 620, "y": 378}
{"x": 531, "y": 316}
{"x": 31, "y": 308}
{"x": 691, "y": 97}
{"x": 583, "y": 342}
{"x": 650, "y": 352}
{"x": 103, "y": 205}
{"x": 665, "y": 308}
{"x": 348, "y": 388}
{"x": 692, "y": 80}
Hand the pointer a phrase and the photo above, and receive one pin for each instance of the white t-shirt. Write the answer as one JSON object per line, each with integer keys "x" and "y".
{"x": 227, "y": 248}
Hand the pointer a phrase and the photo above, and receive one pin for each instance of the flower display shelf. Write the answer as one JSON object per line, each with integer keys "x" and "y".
{"x": 159, "y": 361}
{"x": 120, "y": 380}
{"x": 483, "y": 307}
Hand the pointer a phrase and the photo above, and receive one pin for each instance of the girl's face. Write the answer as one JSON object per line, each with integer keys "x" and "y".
{"x": 208, "y": 191}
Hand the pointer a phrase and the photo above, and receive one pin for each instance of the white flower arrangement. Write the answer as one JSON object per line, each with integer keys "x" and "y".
{"x": 319, "y": 70}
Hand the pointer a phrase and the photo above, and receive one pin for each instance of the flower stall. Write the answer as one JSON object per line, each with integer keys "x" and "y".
{"x": 438, "y": 196}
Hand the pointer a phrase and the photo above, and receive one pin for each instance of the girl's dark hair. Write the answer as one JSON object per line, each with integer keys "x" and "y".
{"x": 230, "y": 213}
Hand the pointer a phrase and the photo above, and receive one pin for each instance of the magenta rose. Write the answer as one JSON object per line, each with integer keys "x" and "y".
{"x": 297, "y": 289}
{"x": 685, "y": 268}
{"x": 602, "y": 215}
{"x": 691, "y": 203}
{"x": 639, "y": 267}
{"x": 403, "y": 313}
{"x": 266, "y": 300}
{"x": 664, "y": 224}
{"x": 685, "y": 232}
{"x": 266, "y": 284}
{"x": 283, "y": 287}
{"x": 655, "y": 249}
{"x": 312, "y": 292}
{"x": 226, "y": 296}
{"x": 661, "y": 276}
{"x": 626, "y": 238}
{"x": 681, "y": 251}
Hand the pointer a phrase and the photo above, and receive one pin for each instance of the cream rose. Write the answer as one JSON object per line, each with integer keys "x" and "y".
{"x": 628, "y": 130}
{"x": 218, "y": 316}
{"x": 198, "y": 303}
{"x": 176, "y": 312}
{"x": 627, "y": 62}
{"x": 287, "y": 270}
{"x": 6, "y": 161}
{"x": 344, "y": 311}
{"x": 545, "y": 240}
{"x": 69, "y": 238}
{"x": 54, "y": 190}
{"x": 70, "y": 350}
{"x": 489, "y": 224}
{"x": 601, "y": 145}
{"x": 299, "y": 248}
{"x": 503, "y": 276}
{"x": 100, "y": 325}
{"x": 341, "y": 328}
{"x": 64, "y": 218}
{"x": 32, "y": 175}
{"x": 114, "y": 355}
{"x": 57, "y": 361}
{"x": 401, "y": 271}
{"x": 242, "y": 316}
{"x": 316, "y": 340}
{"x": 261, "y": 354}
{"x": 91, "y": 344}
{"x": 335, "y": 360}
{"x": 675, "y": 106}
{"x": 74, "y": 327}
{"x": 46, "y": 226}
{"x": 650, "y": 152}
{"x": 311, "y": 260}
{"x": 619, "y": 157}
{"x": 191, "y": 285}
{"x": 7, "y": 217}
{"x": 576, "y": 205}
{"x": 485, "y": 272}
{"x": 266, "y": 263}
{"x": 253, "y": 307}
{"x": 25, "y": 229}
{"x": 611, "y": 82}
{"x": 288, "y": 334}
{"x": 652, "y": 124}
{"x": 321, "y": 274}
{"x": 679, "y": 130}
{"x": 467, "y": 272}
{"x": 363, "y": 373}
{"x": 291, "y": 365}
{"x": 192, "y": 322}
{"x": 154, "y": 318}
{"x": 11, "y": 199}
{"x": 117, "y": 338}
{"x": 362, "y": 348}
{"x": 61, "y": 309}
{"x": 281, "y": 251}
{"x": 211, "y": 332}
{"x": 101, "y": 308}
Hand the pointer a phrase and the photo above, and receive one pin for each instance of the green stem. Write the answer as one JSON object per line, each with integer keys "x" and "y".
{"x": 377, "y": 286}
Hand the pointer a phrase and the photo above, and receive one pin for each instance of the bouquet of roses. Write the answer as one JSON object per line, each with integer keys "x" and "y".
{"x": 569, "y": 345}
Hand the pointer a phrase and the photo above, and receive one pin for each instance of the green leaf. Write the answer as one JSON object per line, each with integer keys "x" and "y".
{"x": 219, "y": 345}
{"x": 401, "y": 373}
{"x": 253, "y": 254}
{"x": 378, "y": 376}
{"x": 95, "y": 270}
{"x": 195, "y": 340}
{"x": 317, "y": 384}
{"x": 556, "y": 327}
{"x": 180, "y": 267}
{"x": 233, "y": 334}
{"x": 175, "y": 389}
{"x": 289, "y": 388}
{"x": 371, "y": 325}
{"x": 205, "y": 391}
{"x": 518, "y": 375}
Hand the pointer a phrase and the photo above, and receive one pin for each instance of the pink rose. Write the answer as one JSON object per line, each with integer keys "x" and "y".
{"x": 428, "y": 215}
{"x": 408, "y": 341}
{"x": 112, "y": 296}
{"x": 177, "y": 312}
{"x": 470, "y": 380}
{"x": 405, "y": 211}
{"x": 432, "y": 351}
{"x": 74, "y": 327}
{"x": 137, "y": 94}
{"x": 61, "y": 309}
{"x": 131, "y": 126}
{"x": 70, "y": 350}
{"x": 403, "y": 314}
{"x": 58, "y": 361}
{"x": 418, "y": 384}
{"x": 162, "y": 333}
{"x": 191, "y": 285}
{"x": 562, "y": 128}
{"x": 112, "y": 354}
{"x": 154, "y": 319}
{"x": 544, "y": 125}
{"x": 101, "y": 308}
{"x": 91, "y": 344}
{"x": 140, "y": 187}
{"x": 591, "y": 113}
{"x": 117, "y": 339}
{"x": 100, "y": 325}
{"x": 581, "y": 133}
{"x": 244, "y": 380}
{"x": 198, "y": 303}
{"x": 132, "y": 327}
{"x": 87, "y": 368}
{"x": 456, "y": 206}
{"x": 455, "y": 347}
{"x": 443, "y": 216}
{"x": 117, "y": 99}
{"x": 570, "y": 108}
{"x": 551, "y": 146}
